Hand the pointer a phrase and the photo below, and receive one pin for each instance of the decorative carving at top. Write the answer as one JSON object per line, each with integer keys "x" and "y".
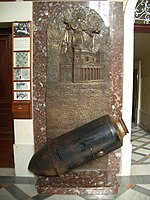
{"x": 142, "y": 11}
{"x": 82, "y": 26}
{"x": 77, "y": 38}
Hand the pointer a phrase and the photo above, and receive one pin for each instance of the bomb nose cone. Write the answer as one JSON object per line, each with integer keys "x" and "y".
{"x": 42, "y": 162}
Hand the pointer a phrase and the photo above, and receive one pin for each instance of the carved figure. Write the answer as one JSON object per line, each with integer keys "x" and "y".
{"x": 78, "y": 46}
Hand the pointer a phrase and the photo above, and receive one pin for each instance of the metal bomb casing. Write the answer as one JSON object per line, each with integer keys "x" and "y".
{"x": 79, "y": 146}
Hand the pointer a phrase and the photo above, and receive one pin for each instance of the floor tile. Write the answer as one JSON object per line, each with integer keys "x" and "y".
{"x": 134, "y": 179}
{"x": 98, "y": 197}
{"x": 64, "y": 197}
{"x": 40, "y": 197}
{"x": 137, "y": 143}
{"x": 140, "y": 170}
{"x": 134, "y": 195}
{"x": 138, "y": 135}
{"x": 142, "y": 139}
{"x": 143, "y": 151}
{"x": 142, "y": 190}
{"x": 17, "y": 180}
{"x": 134, "y": 137}
{"x": 147, "y": 146}
{"x": 147, "y": 136}
{"x": 136, "y": 157}
{"x": 5, "y": 195}
{"x": 7, "y": 172}
{"x": 17, "y": 193}
{"x": 147, "y": 186}
{"x": 147, "y": 161}
{"x": 28, "y": 189}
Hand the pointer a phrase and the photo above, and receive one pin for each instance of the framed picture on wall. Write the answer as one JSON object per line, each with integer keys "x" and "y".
{"x": 21, "y": 59}
{"x": 21, "y": 29}
{"x": 22, "y": 96}
{"x": 21, "y": 74}
{"x": 21, "y": 85}
{"x": 22, "y": 44}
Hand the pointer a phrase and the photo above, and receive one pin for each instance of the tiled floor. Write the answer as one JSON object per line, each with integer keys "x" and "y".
{"x": 140, "y": 152}
{"x": 134, "y": 187}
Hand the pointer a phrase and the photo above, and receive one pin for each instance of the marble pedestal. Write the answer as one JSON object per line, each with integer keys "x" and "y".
{"x": 81, "y": 183}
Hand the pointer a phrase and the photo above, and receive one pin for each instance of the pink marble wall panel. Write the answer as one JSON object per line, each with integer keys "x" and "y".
{"x": 116, "y": 57}
{"x": 40, "y": 23}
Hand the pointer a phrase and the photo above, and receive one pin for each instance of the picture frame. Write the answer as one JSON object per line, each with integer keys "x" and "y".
{"x": 21, "y": 59}
{"x": 21, "y": 85}
{"x": 21, "y": 74}
{"x": 24, "y": 96}
{"x": 22, "y": 44}
{"x": 21, "y": 29}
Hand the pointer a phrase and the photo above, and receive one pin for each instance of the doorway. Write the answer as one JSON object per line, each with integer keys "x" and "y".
{"x": 141, "y": 76}
{"x": 6, "y": 117}
{"x": 135, "y": 97}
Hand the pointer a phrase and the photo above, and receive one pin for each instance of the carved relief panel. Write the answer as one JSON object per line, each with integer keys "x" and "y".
{"x": 77, "y": 67}
{"x": 77, "y": 37}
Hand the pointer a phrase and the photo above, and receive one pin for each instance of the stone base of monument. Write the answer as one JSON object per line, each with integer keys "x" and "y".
{"x": 82, "y": 181}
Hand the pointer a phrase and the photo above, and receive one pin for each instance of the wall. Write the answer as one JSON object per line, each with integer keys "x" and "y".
{"x": 127, "y": 84}
{"x": 15, "y": 11}
{"x": 23, "y": 129}
{"x": 142, "y": 47}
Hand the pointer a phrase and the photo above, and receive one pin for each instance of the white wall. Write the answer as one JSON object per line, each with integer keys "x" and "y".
{"x": 12, "y": 11}
{"x": 127, "y": 84}
{"x": 23, "y": 147}
{"x": 23, "y": 129}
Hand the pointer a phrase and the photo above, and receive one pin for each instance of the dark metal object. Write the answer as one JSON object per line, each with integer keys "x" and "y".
{"x": 78, "y": 146}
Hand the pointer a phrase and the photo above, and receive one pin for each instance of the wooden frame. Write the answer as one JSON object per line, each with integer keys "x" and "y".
{"x": 22, "y": 69}
{"x": 142, "y": 28}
